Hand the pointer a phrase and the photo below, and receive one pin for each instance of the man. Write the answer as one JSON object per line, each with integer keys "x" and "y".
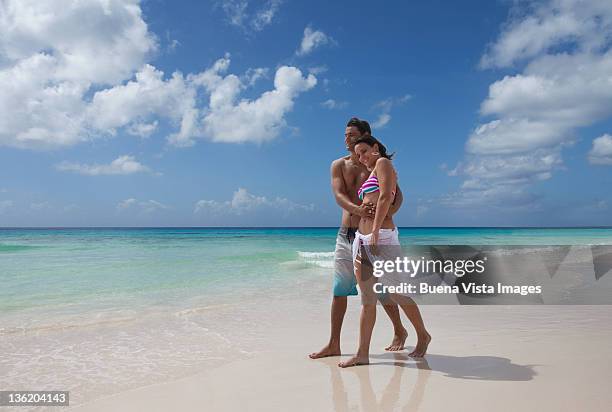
{"x": 347, "y": 175}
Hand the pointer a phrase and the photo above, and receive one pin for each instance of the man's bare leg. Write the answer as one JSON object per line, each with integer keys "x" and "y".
{"x": 400, "y": 333}
{"x": 338, "y": 309}
{"x": 366, "y": 325}
{"x": 367, "y": 319}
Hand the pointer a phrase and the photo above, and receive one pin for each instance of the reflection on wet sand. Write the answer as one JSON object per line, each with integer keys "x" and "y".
{"x": 460, "y": 367}
{"x": 390, "y": 397}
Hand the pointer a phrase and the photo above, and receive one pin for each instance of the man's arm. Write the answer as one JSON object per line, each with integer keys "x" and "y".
{"x": 340, "y": 193}
{"x": 397, "y": 202}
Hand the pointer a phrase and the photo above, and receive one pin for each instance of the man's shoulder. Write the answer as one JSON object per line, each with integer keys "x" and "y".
{"x": 340, "y": 162}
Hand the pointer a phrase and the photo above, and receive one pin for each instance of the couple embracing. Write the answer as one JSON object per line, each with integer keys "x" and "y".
{"x": 365, "y": 186}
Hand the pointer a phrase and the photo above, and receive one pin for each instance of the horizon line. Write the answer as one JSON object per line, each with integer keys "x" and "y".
{"x": 294, "y": 227}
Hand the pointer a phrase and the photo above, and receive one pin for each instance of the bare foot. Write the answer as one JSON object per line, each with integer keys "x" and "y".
{"x": 355, "y": 361}
{"x": 398, "y": 341}
{"x": 421, "y": 347}
{"x": 328, "y": 350}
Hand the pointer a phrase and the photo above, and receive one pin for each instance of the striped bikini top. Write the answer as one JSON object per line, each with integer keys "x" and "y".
{"x": 369, "y": 186}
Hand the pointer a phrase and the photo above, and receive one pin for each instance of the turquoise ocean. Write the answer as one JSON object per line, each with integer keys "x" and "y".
{"x": 46, "y": 272}
{"x": 107, "y": 308}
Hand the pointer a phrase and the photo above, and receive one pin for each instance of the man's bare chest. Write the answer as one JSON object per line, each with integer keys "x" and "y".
{"x": 354, "y": 178}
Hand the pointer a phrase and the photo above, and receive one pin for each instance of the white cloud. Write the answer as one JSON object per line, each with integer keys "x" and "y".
{"x": 235, "y": 11}
{"x": 334, "y": 104}
{"x": 500, "y": 197}
{"x": 563, "y": 86}
{"x": 601, "y": 152}
{"x": 385, "y": 106}
{"x": 142, "y": 129}
{"x": 40, "y": 206}
{"x": 518, "y": 169}
{"x": 382, "y": 120}
{"x": 243, "y": 201}
{"x": 317, "y": 70}
{"x": 312, "y": 40}
{"x": 549, "y": 25}
{"x": 152, "y": 205}
{"x": 544, "y": 105}
{"x": 127, "y": 203}
{"x": 171, "y": 44}
{"x": 145, "y": 206}
{"x": 208, "y": 206}
{"x": 264, "y": 16}
{"x": 123, "y": 165}
{"x": 241, "y": 15}
{"x": 146, "y": 96}
{"x": 65, "y": 82}
{"x": 51, "y": 59}
{"x": 5, "y": 205}
{"x": 421, "y": 210}
{"x": 253, "y": 75}
{"x": 231, "y": 120}
{"x": 600, "y": 205}
{"x": 512, "y": 135}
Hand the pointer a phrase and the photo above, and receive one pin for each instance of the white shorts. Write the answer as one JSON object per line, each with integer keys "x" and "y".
{"x": 386, "y": 237}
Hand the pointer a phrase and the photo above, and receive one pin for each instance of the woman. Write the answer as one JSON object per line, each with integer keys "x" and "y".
{"x": 375, "y": 234}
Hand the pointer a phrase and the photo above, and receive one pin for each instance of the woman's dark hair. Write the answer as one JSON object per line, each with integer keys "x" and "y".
{"x": 361, "y": 125}
{"x": 371, "y": 141}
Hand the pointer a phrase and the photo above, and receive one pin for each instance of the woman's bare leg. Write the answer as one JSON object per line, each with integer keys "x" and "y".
{"x": 411, "y": 310}
{"x": 400, "y": 334}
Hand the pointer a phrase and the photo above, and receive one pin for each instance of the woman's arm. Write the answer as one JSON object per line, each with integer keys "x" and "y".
{"x": 386, "y": 182}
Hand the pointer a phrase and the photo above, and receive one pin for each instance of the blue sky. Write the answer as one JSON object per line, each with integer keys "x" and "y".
{"x": 228, "y": 113}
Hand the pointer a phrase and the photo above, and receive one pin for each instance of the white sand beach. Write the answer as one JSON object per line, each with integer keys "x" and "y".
{"x": 482, "y": 358}
{"x": 227, "y": 326}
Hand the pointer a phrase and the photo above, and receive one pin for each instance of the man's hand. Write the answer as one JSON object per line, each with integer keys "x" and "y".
{"x": 373, "y": 243}
{"x": 365, "y": 210}
{"x": 397, "y": 202}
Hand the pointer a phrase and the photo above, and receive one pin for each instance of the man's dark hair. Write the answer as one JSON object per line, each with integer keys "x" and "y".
{"x": 361, "y": 125}
{"x": 366, "y": 125}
